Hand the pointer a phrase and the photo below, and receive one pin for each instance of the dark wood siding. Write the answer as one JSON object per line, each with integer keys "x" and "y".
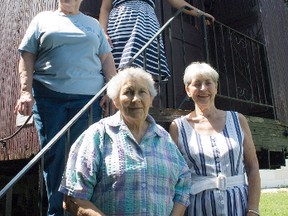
{"x": 91, "y": 7}
{"x": 15, "y": 18}
{"x": 274, "y": 18}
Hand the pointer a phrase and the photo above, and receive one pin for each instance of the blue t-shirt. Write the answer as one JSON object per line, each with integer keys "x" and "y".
{"x": 67, "y": 49}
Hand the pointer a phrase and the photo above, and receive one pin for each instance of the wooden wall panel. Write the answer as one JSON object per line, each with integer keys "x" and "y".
{"x": 274, "y": 18}
{"x": 14, "y": 20}
{"x": 91, "y": 7}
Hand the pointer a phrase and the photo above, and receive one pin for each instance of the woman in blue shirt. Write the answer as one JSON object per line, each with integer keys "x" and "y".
{"x": 65, "y": 58}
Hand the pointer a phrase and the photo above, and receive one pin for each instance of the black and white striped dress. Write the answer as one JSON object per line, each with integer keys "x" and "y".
{"x": 131, "y": 24}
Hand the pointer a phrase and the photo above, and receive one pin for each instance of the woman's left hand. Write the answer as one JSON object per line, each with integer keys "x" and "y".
{"x": 209, "y": 19}
{"x": 107, "y": 106}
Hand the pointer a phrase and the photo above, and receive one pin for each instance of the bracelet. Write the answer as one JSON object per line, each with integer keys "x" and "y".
{"x": 253, "y": 212}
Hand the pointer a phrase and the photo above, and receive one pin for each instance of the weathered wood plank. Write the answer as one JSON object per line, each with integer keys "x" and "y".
{"x": 267, "y": 133}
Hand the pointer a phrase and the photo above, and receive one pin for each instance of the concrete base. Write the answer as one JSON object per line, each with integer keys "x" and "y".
{"x": 274, "y": 178}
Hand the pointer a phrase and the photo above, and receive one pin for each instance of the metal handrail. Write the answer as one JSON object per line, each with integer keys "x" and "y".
{"x": 238, "y": 32}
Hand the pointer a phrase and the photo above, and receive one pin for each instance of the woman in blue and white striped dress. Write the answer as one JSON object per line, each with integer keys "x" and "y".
{"x": 129, "y": 24}
{"x": 219, "y": 150}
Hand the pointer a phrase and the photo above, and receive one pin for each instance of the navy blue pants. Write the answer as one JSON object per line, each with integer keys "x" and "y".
{"x": 52, "y": 111}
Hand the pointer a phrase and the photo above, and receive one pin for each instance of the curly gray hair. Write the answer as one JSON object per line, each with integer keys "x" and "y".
{"x": 115, "y": 84}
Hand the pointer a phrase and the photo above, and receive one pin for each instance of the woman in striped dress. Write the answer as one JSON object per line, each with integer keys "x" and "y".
{"x": 129, "y": 24}
{"x": 219, "y": 150}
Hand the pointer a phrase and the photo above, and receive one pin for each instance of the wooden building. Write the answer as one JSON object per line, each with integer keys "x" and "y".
{"x": 266, "y": 109}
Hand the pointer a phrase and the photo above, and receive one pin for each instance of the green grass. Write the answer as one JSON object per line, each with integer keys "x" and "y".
{"x": 274, "y": 203}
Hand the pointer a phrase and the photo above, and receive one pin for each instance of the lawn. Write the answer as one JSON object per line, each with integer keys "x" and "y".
{"x": 274, "y": 203}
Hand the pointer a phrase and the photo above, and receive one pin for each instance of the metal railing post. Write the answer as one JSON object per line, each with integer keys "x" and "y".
{"x": 205, "y": 36}
{"x": 41, "y": 186}
{"x": 8, "y": 204}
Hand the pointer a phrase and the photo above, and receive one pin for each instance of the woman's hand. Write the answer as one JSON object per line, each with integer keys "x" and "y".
{"x": 107, "y": 106}
{"x": 24, "y": 104}
{"x": 209, "y": 18}
{"x": 80, "y": 207}
{"x": 192, "y": 10}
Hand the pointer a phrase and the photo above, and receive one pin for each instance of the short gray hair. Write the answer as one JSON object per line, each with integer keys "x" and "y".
{"x": 116, "y": 83}
{"x": 202, "y": 69}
